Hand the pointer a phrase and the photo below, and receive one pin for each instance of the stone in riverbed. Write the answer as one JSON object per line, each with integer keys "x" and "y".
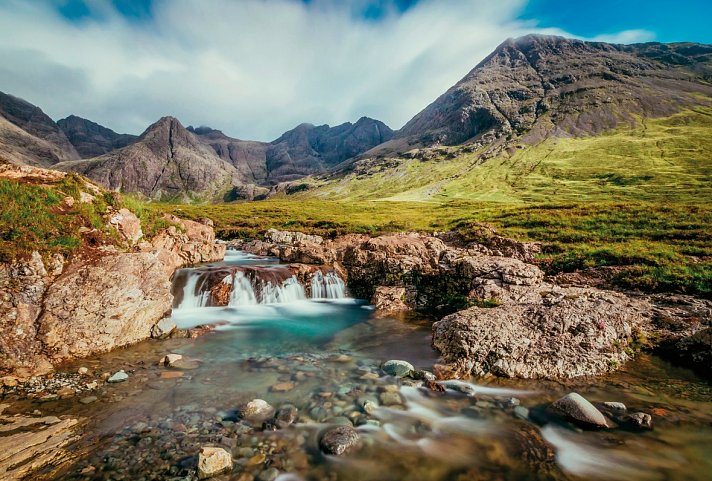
{"x": 170, "y": 360}
{"x": 120, "y": 376}
{"x": 576, "y": 408}
{"x": 639, "y": 421}
{"x": 88, "y": 399}
{"x": 615, "y": 407}
{"x": 283, "y": 386}
{"x": 286, "y": 415}
{"x": 257, "y": 410}
{"x": 397, "y": 368}
{"x": 213, "y": 461}
{"x": 390, "y": 398}
{"x": 338, "y": 440}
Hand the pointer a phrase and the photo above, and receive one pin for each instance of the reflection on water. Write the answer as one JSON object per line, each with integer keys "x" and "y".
{"x": 322, "y": 356}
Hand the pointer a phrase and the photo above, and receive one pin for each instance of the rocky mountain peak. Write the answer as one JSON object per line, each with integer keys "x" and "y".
{"x": 91, "y": 139}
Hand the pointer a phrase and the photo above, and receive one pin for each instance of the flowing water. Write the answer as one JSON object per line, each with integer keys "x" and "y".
{"x": 314, "y": 347}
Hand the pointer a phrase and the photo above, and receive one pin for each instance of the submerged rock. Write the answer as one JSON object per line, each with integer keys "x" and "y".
{"x": 339, "y": 440}
{"x": 163, "y": 328}
{"x": 213, "y": 461}
{"x": 286, "y": 415}
{"x": 615, "y": 407}
{"x": 170, "y": 359}
{"x": 397, "y": 368}
{"x": 575, "y": 407}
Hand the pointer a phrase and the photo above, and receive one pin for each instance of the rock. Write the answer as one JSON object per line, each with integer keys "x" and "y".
{"x": 163, "y": 328}
{"x": 128, "y": 225}
{"x": 339, "y": 440}
{"x": 268, "y": 475}
{"x": 390, "y": 398}
{"x": 213, "y": 461}
{"x": 389, "y": 300}
{"x": 170, "y": 359}
{"x": 65, "y": 392}
{"x": 369, "y": 407}
{"x": 521, "y": 412}
{"x": 257, "y": 410}
{"x": 258, "y": 458}
{"x": 83, "y": 371}
{"x": 615, "y": 407}
{"x": 639, "y": 421}
{"x": 171, "y": 374}
{"x": 397, "y": 368}
{"x": 282, "y": 386}
{"x": 423, "y": 375}
{"x": 565, "y": 333}
{"x": 286, "y": 415}
{"x": 575, "y": 407}
{"x": 288, "y": 237}
{"x": 120, "y": 376}
{"x": 88, "y": 399}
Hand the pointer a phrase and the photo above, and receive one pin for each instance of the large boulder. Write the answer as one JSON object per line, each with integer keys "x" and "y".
{"x": 570, "y": 332}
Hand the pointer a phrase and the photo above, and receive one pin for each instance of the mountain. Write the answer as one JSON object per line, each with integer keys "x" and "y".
{"x": 166, "y": 162}
{"x": 540, "y": 86}
{"x": 91, "y": 139}
{"x": 545, "y": 118}
{"x": 28, "y": 135}
{"x": 307, "y": 149}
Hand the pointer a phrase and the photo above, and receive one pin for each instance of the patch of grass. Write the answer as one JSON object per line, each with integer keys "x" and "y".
{"x": 659, "y": 246}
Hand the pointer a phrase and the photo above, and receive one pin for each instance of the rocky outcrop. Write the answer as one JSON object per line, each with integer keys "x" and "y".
{"x": 511, "y": 321}
{"x": 91, "y": 139}
{"x": 52, "y": 308}
{"x": 566, "y": 333}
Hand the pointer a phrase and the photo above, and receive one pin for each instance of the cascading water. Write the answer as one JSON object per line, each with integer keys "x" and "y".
{"x": 329, "y": 286}
{"x": 193, "y": 295}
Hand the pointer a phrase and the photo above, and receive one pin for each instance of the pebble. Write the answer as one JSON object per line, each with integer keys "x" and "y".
{"x": 268, "y": 475}
{"x": 257, "y": 410}
{"x": 283, "y": 386}
{"x": 83, "y": 371}
{"x": 213, "y": 461}
{"x": 170, "y": 359}
{"x": 88, "y": 399}
{"x": 616, "y": 407}
{"x": 578, "y": 409}
{"x": 390, "y": 398}
{"x": 640, "y": 421}
{"x": 521, "y": 412}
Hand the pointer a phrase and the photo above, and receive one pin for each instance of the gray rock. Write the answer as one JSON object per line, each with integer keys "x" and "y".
{"x": 397, "y": 368}
{"x": 286, "y": 415}
{"x": 338, "y": 440}
{"x": 615, "y": 407}
{"x": 120, "y": 376}
{"x": 576, "y": 408}
{"x": 257, "y": 410}
{"x": 88, "y": 399}
{"x": 213, "y": 461}
{"x": 639, "y": 421}
{"x": 521, "y": 412}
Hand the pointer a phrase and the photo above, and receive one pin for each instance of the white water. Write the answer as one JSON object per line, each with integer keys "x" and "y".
{"x": 192, "y": 298}
{"x": 329, "y": 286}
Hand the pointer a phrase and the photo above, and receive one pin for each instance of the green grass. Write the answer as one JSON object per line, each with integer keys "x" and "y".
{"x": 37, "y": 218}
{"x": 664, "y": 159}
{"x": 661, "y": 246}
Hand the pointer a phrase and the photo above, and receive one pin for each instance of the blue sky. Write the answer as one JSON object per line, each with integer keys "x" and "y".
{"x": 256, "y": 68}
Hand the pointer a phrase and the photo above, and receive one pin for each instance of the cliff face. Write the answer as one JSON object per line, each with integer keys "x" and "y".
{"x": 539, "y": 86}
{"x": 54, "y": 308}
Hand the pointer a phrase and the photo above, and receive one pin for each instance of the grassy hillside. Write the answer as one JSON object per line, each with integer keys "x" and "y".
{"x": 666, "y": 159}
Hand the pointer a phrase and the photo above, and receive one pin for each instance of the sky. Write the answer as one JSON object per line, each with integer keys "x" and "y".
{"x": 256, "y": 68}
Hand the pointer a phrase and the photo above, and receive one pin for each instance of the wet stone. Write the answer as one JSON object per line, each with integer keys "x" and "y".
{"x": 120, "y": 376}
{"x": 397, "y": 368}
{"x": 338, "y": 440}
{"x": 286, "y": 415}
{"x": 576, "y": 408}
{"x": 642, "y": 421}
{"x": 213, "y": 461}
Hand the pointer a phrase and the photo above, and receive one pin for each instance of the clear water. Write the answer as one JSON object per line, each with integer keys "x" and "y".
{"x": 328, "y": 351}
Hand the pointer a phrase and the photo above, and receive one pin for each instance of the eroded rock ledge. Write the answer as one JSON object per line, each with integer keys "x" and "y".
{"x": 53, "y": 309}
{"x": 506, "y": 318}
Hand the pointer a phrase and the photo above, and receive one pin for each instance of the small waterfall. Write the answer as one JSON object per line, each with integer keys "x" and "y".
{"x": 242, "y": 292}
{"x": 290, "y": 290}
{"x": 329, "y": 286}
{"x": 193, "y": 296}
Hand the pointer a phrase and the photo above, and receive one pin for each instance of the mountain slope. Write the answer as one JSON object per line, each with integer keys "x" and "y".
{"x": 91, "y": 139}
{"x": 28, "y": 135}
{"x": 548, "y": 118}
{"x": 542, "y": 86}
{"x": 166, "y": 162}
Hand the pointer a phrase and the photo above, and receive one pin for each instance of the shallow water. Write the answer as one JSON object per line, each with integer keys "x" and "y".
{"x": 325, "y": 355}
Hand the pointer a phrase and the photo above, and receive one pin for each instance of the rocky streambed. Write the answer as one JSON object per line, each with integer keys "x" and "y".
{"x": 297, "y": 379}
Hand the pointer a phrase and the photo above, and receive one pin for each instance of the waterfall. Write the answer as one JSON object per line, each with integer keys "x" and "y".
{"x": 191, "y": 297}
{"x": 329, "y": 286}
{"x": 242, "y": 292}
{"x": 290, "y": 290}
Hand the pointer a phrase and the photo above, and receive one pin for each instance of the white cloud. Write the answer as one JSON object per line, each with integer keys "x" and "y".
{"x": 626, "y": 36}
{"x": 252, "y": 68}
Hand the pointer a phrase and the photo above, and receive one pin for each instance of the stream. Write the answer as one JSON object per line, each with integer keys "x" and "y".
{"x": 318, "y": 351}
